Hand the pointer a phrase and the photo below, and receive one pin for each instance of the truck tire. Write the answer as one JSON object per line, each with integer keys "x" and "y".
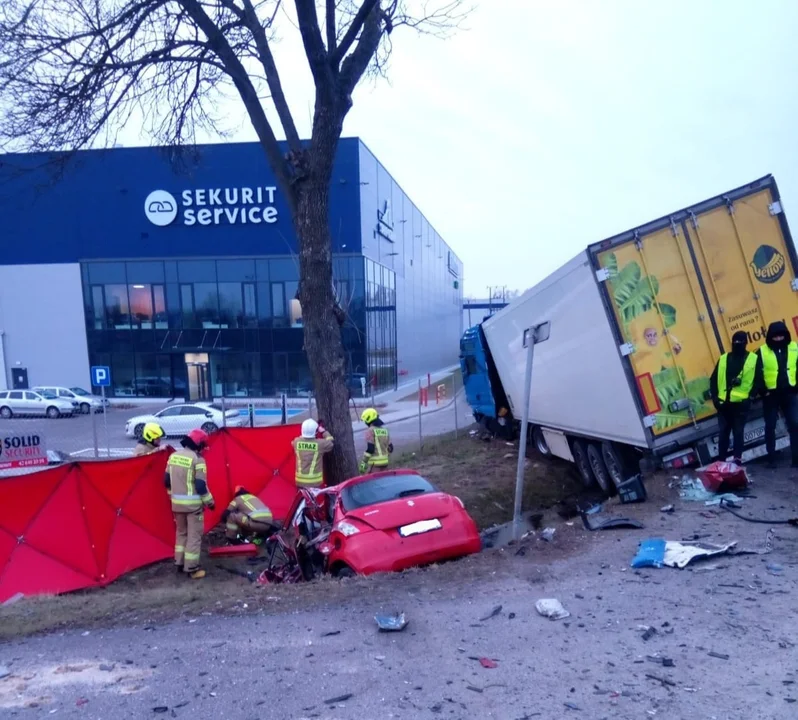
{"x": 615, "y": 461}
{"x": 579, "y": 450}
{"x": 599, "y": 469}
{"x": 540, "y": 442}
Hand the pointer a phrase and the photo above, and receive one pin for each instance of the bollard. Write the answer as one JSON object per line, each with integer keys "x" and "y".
{"x": 283, "y": 413}
{"x": 251, "y": 414}
{"x": 456, "y": 426}
{"x": 420, "y": 396}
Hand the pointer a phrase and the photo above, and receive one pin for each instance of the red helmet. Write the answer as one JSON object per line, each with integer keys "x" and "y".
{"x": 198, "y": 437}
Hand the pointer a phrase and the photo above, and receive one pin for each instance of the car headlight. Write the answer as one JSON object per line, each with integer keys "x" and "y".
{"x": 346, "y": 529}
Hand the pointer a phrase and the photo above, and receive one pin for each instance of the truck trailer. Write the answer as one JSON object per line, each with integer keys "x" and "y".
{"x": 636, "y": 325}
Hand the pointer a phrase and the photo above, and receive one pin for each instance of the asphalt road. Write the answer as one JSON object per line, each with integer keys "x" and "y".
{"x": 727, "y": 629}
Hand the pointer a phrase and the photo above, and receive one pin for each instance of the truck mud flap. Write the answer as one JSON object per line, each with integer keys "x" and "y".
{"x": 604, "y": 522}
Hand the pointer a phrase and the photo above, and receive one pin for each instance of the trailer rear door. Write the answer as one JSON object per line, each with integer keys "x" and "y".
{"x": 680, "y": 287}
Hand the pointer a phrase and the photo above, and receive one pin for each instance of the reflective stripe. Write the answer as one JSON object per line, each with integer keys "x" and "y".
{"x": 258, "y": 514}
{"x": 179, "y": 460}
{"x": 179, "y": 548}
{"x": 311, "y": 476}
{"x": 746, "y": 377}
{"x": 191, "y": 556}
{"x": 185, "y": 497}
{"x": 309, "y": 481}
{"x": 231, "y": 526}
{"x": 770, "y": 365}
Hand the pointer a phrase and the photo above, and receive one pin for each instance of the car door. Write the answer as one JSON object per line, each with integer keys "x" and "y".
{"x": 169, "y": 420}
{"x": 16, "y": 401}
{"x": 193, "y": 417}
{"x": 34, "y": 403}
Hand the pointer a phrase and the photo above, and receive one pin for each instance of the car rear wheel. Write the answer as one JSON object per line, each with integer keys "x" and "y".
{"x": 579, "y": 449}
{"x": 345, "y": 572}
{"x": 85, "y": 408}
{"x": 53, "y": 412}
{"x": 540, "y": 442}
{"x": 599, "y": 468}
{"x": 617, "y": 467}
{"x": 6, "y": 413}
{"x": 209, "y": 428}
{"x": 138, "y": 431}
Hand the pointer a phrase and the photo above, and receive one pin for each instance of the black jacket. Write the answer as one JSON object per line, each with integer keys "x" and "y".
{"x": 734, "y": 366}
{"x": 779, "y": 328}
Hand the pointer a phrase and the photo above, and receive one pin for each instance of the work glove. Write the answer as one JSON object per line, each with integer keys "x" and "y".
{"x": 362, "y": 467}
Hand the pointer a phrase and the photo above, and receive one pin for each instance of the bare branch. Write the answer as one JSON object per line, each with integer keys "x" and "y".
{"x": 351, "y": 34}
{"x": 332, "y": 34}
{"x": 314, "y": 46}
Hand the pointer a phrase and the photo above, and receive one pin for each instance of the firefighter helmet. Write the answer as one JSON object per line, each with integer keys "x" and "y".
{"x": 152, "y": 432}
{"x": 369, "y": 416}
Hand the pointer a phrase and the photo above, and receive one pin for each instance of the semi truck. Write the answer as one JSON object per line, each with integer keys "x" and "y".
{"x": 636, "y": 324}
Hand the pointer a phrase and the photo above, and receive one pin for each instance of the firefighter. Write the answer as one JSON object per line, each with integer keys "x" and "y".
{"x": 150, "y": 439}
{"x": 309, "y": 450}
{"x": 779, "y": 357}
{"x": 246, "y": 516}
{"x": 378, "y": 442}
{"x": 736, "y": 376}
{"x": 187, "y": 483}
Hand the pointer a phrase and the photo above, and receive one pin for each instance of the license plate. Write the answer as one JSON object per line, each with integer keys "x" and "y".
{"x": 421, "y": 526}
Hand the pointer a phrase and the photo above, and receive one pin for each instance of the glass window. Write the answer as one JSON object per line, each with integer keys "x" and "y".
{"x": 231, "y": 307}
{"x": 141, "y": 305}
{"x": 283, "y": 269}
{"x": 187, "y": 305}
{"x": 262, "y": 268}
{"x": 264, "y": 304}
{"x": 170, "y": 412}
{"x": 153, "y": 375}
{"x": 206, "y": 305}
{"x": 34, "y": 396}
{"x": 237, "y": 373}
{"x": 123, "y": 374}
{"x": 160, "y": 317}
{"x": 294, "y": 307}
{"x": 280, "y": 361}
{"x": 384, "y": 489}
{"x": 192, "y": 410}
{"x": 145, "y": 273}
{"x": 173, "y": 305}
{"x": 235, "y": 270}
{"x": 107, "y": 273}
{"x": 278, "y": 304}
{"x": 197, "y": 271}
{"x": 250, "y": 306}
{"x": 15, "y": 396}
{"x": 117, "y": 307}
{"x": 171, "y": 271}
{"x": 98, "y": 307}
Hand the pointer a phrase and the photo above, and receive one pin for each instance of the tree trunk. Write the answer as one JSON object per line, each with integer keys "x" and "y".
{"x": 323, "y": 341}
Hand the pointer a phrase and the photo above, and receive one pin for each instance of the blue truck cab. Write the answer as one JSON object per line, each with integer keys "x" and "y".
{"x": 483, "y": 388}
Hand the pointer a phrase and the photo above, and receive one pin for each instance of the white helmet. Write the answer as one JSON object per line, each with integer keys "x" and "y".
{"x": 309, "y": 428}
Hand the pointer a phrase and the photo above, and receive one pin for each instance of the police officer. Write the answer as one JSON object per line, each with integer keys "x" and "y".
{"x": 378, "y": 442}
{"x": 309, "y": 451}
{"x": 779, "y": 356}
{"x": 187, "y": 482}
{"x": 150, "y": 439}
{"x": 736, "y": 376}
{"x": 247, "y": 516}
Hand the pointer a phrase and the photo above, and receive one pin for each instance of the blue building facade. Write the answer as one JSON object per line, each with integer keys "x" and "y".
{"x": 186, "y": 275}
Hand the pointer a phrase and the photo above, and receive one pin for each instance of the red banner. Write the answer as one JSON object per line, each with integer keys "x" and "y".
{"x": 85, "y": 524}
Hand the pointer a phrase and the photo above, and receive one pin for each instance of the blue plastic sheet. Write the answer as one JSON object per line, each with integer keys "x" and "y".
{"x": 650, "y": 553}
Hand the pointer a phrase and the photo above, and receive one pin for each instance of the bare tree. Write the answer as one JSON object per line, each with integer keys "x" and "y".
{"x": 74, "y": 72}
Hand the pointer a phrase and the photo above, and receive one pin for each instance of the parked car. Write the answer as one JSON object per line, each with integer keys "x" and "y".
{"x": 382, "y": 522}
{"x": 31, "y": 403}
{"x": 80, "y": 398}
{"x": 177, "y": 420}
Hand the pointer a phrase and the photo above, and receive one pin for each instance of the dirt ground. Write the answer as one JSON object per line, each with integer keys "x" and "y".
{"x": 481, "y": 474}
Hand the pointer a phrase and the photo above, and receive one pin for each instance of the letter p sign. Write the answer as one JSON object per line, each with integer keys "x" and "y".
{"x": 101, "y": 376}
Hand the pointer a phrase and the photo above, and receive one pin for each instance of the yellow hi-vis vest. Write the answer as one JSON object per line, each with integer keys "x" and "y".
{"x": 380, "y": 456}
{"x": 309, "y": 468}
{"x": 770, "y": 365}
{"x": 742, "y": 391}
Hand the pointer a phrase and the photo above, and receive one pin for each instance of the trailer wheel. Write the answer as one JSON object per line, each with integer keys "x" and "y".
{"x": 599, "y": 468}
{"x": 540, "y": 442}
{"x": 579, "y": 450}
{"x": 615, "y": 462}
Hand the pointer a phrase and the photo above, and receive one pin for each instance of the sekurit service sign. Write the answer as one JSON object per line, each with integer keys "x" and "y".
{"x": 19, "y": 450}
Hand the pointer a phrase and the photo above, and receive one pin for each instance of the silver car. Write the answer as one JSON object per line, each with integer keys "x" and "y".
{"x": 81, "y": 399}
{"x": 29, "y": 403}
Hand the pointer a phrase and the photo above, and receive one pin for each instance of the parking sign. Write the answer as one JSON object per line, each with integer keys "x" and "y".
{"x": 101, "y": 376}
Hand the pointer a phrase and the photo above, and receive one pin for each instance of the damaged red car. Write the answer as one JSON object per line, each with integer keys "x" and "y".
{"x": 382, "y": 522}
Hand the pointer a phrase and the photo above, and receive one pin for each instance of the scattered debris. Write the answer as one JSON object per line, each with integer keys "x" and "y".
{"x": 721, "y": 477}
{"x": 474, "y": 688}
{"x": 80, "y": 702}
{"x": 338, "y": 699}
{"x": 492, "y": 614}
{"x": 658, "y": 679}
{"x": 391, "y": 623}
{"x": 552, "y": 609}
{"x": 667, "y": 508}
{"x": 719, "y": 656}
{"x": 664, "y": 661}
{"x": 334, "y": 632}
{"x": 548, "y": 534}
{"x": 606, "y": 522}
{"x": 632, "y": 490}
{"x": 657, "y": 552}
{"x": 488, "y": 663}
{"x": 775, "y": 568}
{"x": 4, "y": 672}
{"x": 511, "y": 616}
{"x": 649, "y": 633}
{"x": 571, "y": 706}
{"x": 160, "y": 709}
{"x": 106, "y": 667}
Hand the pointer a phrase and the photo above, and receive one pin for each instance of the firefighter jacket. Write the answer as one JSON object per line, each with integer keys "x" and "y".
{"x": 309, "y": 453}
{"x": 144, "y": 448}
{"x": 378, "y": 445}
{"x": 252, "y": 507}
{"x": 186, "y": 480}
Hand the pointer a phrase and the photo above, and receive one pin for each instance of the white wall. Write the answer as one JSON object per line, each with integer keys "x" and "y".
{"x": 43, "y": 324}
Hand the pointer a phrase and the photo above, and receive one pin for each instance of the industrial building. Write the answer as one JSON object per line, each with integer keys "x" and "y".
{"x": 182, "y": 277}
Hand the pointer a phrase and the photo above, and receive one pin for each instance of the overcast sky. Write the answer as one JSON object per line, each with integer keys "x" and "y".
{"x": 550, "y": 125}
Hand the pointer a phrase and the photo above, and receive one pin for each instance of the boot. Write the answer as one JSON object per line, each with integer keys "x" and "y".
{"x": 198, "y": 574}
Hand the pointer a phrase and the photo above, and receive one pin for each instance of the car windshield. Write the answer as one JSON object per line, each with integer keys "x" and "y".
{"x": 383, "y": 489}
{"x": 80, "y": 391}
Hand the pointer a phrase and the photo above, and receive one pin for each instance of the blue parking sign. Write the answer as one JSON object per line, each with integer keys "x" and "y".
{"x": 100, "y": 375}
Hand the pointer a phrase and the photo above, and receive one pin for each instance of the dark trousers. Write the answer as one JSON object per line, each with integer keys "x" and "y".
{"x": 731, "y": 421}
{"x": 785, "y": 403}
